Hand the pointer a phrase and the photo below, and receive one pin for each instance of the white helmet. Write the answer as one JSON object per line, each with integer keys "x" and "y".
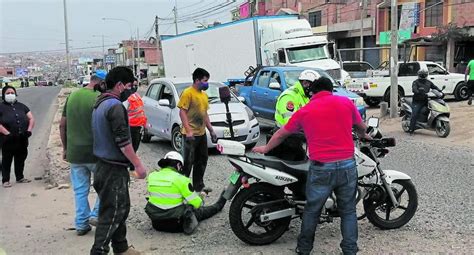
{"x": 172, "y": 155}
{"x": 309, "y": 75}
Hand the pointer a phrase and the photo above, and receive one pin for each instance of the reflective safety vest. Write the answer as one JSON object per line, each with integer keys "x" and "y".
{"x": 290, "y": 101}
{"x": 136, "y": 113}
{"x": 169, "y": 189}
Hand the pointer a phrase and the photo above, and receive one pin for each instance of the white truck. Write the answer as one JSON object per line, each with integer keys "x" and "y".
{"x": 376, "y": 87}
{"x": 227, "y": 50}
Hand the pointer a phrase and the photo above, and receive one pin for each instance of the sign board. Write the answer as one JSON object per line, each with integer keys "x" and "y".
{"x": 109, "y": 59}
{"x": 385, "y": 37}
{"x": 21, "y": 72}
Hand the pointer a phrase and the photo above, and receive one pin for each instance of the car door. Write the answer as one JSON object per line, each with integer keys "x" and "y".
{"x": 439, "y": 77}
{"x": 259, "y": 93}
{"x": 272, "y": 96}
{"x": 407, "y": 73}
{"x": 150, "y": 101}
{"x": 164, "y": 112}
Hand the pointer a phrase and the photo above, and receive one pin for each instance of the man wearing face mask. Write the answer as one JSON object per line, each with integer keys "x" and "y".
{"x": 114, "y": 151}
{"x": 290, "y": 101}
{"x": 136, "y": 114}
{"x": 193, "y": 105}
{"x": 173, "y": 205}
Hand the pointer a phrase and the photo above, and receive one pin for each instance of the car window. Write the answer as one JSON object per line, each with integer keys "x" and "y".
{"x": 166, "y": 93}
{"x": 435, "y": 69}
{"x": 275, "y": 78}
{"x": 364, "y": 67}
{"x": 263, "y": 79}
{"x": 408, "y": 69}
{"x": 153, "y": 91}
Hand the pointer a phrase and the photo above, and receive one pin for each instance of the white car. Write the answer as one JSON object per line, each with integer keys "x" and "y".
{"x": 161, "y": 109}
{"x": 377, "y": 88}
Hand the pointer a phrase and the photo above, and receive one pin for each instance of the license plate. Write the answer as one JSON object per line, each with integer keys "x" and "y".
{"x": 227, "y": 133}
{"x": 234, "y": 177}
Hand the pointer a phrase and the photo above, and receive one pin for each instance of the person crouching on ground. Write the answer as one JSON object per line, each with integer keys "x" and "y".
{"x": 173, "y": 206}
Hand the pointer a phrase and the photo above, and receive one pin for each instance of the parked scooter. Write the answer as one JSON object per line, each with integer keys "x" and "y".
{"x": 434, "y": 117}
{"x": 267, "y": 192}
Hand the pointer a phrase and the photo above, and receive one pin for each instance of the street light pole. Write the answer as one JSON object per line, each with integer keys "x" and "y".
{"x": 176, "y": 16}
{"x": 362, "y": 16}
{"x": 394, "y": 61}
{"x": 131, "y": 40}
{"x": 66, "y": 35}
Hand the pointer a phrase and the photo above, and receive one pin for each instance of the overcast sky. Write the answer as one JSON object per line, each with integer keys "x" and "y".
{"x": 37, "y": 25}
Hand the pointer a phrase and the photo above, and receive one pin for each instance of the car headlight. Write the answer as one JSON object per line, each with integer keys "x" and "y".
{"x": 250, "y": 113}
{"x": 360, "y": 101}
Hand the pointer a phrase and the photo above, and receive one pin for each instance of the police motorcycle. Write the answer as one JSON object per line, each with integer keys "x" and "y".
{"x": 434, "y": 117}
{"x": 267, "y": 193}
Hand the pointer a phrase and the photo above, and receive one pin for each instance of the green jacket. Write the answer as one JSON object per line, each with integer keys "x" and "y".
{"x": 169, "y": 189}
{"x": 290, "y": 101}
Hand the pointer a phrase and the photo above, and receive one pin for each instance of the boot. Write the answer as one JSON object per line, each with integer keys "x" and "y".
{"x": 190, "y": 222}
{"x": 469, "y": 102}
{"x": 130, "y": 251}
{"x": 207, "y": 212}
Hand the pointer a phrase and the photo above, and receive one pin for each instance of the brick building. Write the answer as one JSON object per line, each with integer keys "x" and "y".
{"x": 149, "y": 57}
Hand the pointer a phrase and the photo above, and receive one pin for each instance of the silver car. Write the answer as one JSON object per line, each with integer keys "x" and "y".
{"x": 164, "y": 122}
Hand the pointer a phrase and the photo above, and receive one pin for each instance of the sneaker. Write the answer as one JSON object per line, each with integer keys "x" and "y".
{"x": 190, "y": 222}
{"x": 469, "y": 102}
{"x": 207, "y": 190}
{"x": 130, "y": 251}
{"x": 93, "y": 221}
{"x": 81, "y": 232}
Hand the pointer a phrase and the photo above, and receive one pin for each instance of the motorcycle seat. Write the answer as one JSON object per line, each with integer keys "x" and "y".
{"x": 299, "y": 169}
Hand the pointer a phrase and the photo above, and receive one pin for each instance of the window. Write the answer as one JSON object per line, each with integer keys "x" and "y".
{"x": 263, "y": 79}
{"x": 433, "y": 13}
{"x": 306, "y": 53}
{"x": 435, "y": 69}
{"x": 408, "y": 69}
{"x": 315, "y": 19}
{"x": 167, "y": 93}
{"x": 275, "y": 78}
{"x": 153, "y": 91}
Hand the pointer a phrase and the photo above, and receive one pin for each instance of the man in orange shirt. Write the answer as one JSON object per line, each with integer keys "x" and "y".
{"x": 136, "y": 114}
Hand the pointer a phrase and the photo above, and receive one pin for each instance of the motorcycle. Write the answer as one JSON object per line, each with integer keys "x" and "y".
{"x": 267, "y": 193}
{"x": 435, "y": 117}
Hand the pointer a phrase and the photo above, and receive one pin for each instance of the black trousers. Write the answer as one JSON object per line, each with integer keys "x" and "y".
{"x": 136, "y": 135}
{"x": 176, "y": 225}
{"x": 291, "y": 149}
{"x": 470, "y": 88}
{"x": 195, "y": 156}
{"x": 111, "y": 183}
{"x": 14, "y": 149}
{"x": 416, "y": 109}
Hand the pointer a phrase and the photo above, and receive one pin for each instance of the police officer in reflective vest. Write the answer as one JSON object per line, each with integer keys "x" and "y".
{"x": 173, "y": 205}
{"x": 290, "y": 101}
{"x": 136, "y": 114}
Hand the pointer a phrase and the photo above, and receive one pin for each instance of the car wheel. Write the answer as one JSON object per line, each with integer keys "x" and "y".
{"x": 461, "y": 91}
{"x": 176, "y": 139}
{"x": 372, "y": 102}
{"x": 386, "y": 97}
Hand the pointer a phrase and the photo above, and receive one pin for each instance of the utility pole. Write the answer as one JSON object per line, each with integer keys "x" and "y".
{"x": 362, "y": 16}
{"x": 394, "y": 61}
{"x": 175, "y": 10}
{"x": 139, "y": 55}
{"x": 67, "y": 41}
{"x": 158, "y": 44}
{"x": 103, "y": 52}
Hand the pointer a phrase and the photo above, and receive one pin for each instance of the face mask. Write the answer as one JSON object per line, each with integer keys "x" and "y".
{"x": 307, "y": 91}
{"x": 125, "y": 95}
{"x": 100, "y": 87}
{"x": 134, "y": 89}
{"x": 10, "y": 98}
{"x": 203, "y": 85}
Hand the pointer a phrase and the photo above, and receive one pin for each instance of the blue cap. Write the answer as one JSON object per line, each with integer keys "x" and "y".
{"x": 101, "y": 74}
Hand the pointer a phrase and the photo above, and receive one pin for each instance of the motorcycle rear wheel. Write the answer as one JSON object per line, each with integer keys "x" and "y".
{"x": 253, "y": 231}
{"x": 399, "y": 188}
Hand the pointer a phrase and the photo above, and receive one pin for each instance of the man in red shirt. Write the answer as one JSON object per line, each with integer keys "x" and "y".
{"x": 327, "y": 122}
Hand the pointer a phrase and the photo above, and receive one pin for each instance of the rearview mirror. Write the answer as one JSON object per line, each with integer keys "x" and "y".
{"x": 443, "y": 87}
{"x": 164, "y": 102}
{"x": 274, "y": 85}
{"x": 373, "y": 122}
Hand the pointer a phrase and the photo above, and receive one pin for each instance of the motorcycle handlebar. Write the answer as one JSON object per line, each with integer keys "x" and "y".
{"x": 380, "y": 143}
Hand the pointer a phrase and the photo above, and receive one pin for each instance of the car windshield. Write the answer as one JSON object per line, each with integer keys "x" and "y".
{"x": 212, "y": 92}
{"x": 292, "y": 76}
{"x": 307, "y": 53}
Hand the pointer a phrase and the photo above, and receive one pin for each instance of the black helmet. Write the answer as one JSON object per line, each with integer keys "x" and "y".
{"x": 422, "y": 73}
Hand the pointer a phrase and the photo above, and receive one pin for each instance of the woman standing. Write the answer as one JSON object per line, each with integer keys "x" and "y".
{"x": 16, "y": 123}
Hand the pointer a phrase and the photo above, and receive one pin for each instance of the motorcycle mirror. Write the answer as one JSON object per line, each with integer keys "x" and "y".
{"x": 373, "y": 122}
{"x": 443, "y": 87}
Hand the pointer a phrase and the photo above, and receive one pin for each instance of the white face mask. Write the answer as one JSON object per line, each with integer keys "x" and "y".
{"x": 10, "y": 98}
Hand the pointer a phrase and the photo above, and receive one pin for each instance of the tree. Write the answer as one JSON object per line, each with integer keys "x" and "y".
{"x": 452, "y": 31}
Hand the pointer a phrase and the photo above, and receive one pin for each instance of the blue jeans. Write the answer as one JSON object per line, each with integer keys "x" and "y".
{"x": 416, "y": 110}
{"x": 338, "y": 177}
{"x": 81, "y": 182}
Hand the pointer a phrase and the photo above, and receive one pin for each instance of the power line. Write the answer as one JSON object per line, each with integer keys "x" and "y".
{"x": 46, "y": 51}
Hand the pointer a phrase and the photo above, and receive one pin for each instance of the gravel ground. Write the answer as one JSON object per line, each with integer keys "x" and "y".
{"x": 443, "y": 222}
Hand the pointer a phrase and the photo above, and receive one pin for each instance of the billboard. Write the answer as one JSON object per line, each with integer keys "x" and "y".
{"x": 21, "y": 72}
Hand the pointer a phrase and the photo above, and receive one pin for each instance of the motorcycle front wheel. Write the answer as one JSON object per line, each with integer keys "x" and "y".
{"x": 384, "y": 215}
{"x": 406, "y": 123}
{"x": 443, "y": 128}
{"x": 247, "y": 225}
